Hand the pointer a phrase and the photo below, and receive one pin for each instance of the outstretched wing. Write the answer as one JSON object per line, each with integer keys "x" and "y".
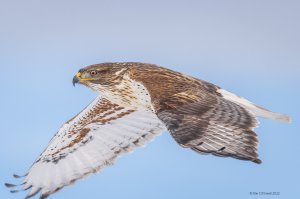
{"x": 87, "y": 143}
{"x": 210, "y": 124}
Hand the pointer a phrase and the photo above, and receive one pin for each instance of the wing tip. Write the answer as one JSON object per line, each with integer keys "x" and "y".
{"x": 33, "y": 193}
{"x": 8, "y": 185}
{"x": 255, "y": 109}
{"x": 278, "y": 117}
{"x": 20, "y": 176}
{"x": 257, "y": 161}
{"x": 285, "y": 118}
{"x": 44, "y": 196}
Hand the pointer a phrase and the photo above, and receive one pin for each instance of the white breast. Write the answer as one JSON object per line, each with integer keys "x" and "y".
{"x": 129, "y": 93}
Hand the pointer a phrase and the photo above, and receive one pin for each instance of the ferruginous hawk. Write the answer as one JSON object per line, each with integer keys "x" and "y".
{"x": 137, "y": 102}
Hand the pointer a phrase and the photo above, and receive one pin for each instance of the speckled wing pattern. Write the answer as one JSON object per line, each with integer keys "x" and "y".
{"x": 209, "y": 124}
{"x": 87, "y": 143}
{"x": 202, "y": 116}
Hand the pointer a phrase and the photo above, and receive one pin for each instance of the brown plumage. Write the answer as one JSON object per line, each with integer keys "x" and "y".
{"x": 196, "y": 114}
{"x": 137, "y": 102}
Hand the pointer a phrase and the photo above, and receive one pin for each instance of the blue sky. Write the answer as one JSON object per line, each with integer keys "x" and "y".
{"x": 248, "y": 47}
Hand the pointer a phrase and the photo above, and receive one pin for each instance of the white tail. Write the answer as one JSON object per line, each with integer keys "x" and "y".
{"x": 256, "y": 110}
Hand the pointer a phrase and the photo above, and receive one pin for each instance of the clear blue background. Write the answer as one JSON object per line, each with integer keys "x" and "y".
{"x": 251, "y": 48}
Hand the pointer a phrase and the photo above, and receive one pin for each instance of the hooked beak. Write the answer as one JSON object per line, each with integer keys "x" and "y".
{"x": 76, "y": 78}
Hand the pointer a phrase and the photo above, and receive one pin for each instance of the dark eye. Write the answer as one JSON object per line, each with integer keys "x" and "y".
{"x": 93, "y": 72}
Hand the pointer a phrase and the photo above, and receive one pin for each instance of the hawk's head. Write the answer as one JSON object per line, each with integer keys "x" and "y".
{"x": 105, "y": 74}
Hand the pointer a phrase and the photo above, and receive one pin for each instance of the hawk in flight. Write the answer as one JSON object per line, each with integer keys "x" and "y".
{"x": 137, "y": 102}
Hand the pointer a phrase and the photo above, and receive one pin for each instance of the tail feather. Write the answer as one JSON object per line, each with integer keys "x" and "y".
{"x": 256, "y": 110}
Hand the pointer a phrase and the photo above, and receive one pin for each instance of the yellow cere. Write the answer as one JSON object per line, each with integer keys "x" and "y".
{"x": 78, "y": 74}
{"x": 83, "y": 79}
